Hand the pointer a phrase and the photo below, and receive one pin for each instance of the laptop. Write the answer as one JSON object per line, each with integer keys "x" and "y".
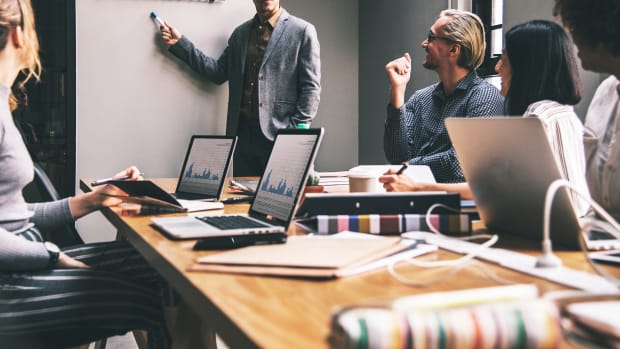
{"x": 509, "y": 165}
{"x": 205, "y": 167}
{"x": 277, "y": 194}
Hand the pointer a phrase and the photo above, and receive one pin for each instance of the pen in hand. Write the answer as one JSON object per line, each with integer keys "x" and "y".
{"x": 402, "y": 168}
{"x": 110, "y": 179}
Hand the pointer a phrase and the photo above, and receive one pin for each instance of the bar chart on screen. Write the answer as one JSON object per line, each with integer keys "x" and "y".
{"x": 284, "y": 174}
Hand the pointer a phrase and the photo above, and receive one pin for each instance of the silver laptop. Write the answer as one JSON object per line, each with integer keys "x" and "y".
{"x": 205, "y": 167}
{"x": 509, "y": 165}
{"x": 277, "y": 193}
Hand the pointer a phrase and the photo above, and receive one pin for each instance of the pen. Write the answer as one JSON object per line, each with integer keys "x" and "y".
{"x": 110, "y": 179}
{"x": 239, "y": 185}
{"x": 402, "y": 169}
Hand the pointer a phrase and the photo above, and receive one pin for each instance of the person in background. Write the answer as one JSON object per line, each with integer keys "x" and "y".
{"x": 52, "y": 298}
{"x": 595, "y": 28}
{"x": 540, "y": 79}
{"x": 415, "y": 131}
{"x": 273, "y": 68}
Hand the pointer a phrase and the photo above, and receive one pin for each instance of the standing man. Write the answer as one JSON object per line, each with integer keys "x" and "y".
{"x": 415, "y": 131}
{"x": 273, "y": 69}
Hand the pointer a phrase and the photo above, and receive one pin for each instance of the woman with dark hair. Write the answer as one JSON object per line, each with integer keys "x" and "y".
{"x": 595, "y": 28}
{"x": 542, "y": 66}
{"x": 539, "y": 79}
{"x": 52, "y": 298}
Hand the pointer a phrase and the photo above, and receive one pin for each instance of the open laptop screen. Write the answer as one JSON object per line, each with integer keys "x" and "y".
{"x": 286, "y": 172}
{"x": 205, "y": 166}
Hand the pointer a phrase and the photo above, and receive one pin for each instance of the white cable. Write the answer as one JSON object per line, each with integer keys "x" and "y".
{"x": 454, "y": 262}
{"x": 454, "y": 265}
{"x": 428, "y": 217}
{"x": 611, "y": 225}
{"x": 595, "y": 224}
{"x": 451, "y": 271}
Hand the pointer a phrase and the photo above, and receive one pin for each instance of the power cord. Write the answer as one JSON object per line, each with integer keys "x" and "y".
{"x": 453, "y": 265}
{"x": 550, "y": 260}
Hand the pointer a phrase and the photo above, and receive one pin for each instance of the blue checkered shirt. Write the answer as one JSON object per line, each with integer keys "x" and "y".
{"x": 416, "y": 132}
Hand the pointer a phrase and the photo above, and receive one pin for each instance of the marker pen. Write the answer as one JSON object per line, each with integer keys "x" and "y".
{"x": 157, "y": 20}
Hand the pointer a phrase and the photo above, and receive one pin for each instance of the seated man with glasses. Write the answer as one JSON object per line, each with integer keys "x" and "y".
{"x": 415, "y": 131}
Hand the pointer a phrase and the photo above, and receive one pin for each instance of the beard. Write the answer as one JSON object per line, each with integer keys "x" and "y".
{"x": 429, "y": 65}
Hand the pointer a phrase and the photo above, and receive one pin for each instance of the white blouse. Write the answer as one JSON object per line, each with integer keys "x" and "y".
{"x": 565, "y": 134}
{"x": 602, "y": 144}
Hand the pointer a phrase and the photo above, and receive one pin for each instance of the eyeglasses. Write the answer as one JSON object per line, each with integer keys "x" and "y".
{"x": 432, "y": 37}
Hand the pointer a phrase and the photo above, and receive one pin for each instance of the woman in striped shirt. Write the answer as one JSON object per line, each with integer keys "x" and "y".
{"x": 51, "y": 298}
{"x": 540, "y": 79}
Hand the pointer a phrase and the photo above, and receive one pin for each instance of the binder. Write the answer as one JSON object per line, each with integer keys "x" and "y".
{"x": 386, "y": 224}
{"x": 376, "y": 203}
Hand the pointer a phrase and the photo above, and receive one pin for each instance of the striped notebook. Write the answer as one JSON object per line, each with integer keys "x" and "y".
{"x": 386, "y": 224}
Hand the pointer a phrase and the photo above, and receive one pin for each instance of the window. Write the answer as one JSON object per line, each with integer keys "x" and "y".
{"x": 491, "y": 12}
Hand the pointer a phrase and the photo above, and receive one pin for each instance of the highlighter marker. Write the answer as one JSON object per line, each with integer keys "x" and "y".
{"x": 156, "y": 18}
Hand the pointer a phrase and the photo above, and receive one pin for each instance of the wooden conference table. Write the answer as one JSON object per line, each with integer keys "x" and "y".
{"x": 270, "y": 312}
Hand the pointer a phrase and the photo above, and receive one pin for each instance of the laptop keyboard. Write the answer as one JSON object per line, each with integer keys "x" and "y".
{"x": 232, "y": 222}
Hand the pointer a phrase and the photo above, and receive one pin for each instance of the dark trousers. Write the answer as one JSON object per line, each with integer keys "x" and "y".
{"x": 59, "y": 308}
{"x": 253, "y": 149}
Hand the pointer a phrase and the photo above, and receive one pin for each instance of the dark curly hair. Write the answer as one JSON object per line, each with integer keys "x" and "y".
{"x": 596, "y": 22}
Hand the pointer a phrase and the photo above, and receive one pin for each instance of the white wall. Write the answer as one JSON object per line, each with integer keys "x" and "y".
{"x": 136, "y": 104}
{"x": 386, "y": 32}
{"x": 336, "y": 23}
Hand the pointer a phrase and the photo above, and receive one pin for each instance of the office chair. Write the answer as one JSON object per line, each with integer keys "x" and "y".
{"x": 41, "y": 189}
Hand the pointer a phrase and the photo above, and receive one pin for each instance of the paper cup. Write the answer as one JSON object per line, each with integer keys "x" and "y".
{"x": 362, "y": 182}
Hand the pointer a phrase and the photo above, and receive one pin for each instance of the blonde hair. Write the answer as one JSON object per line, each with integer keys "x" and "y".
{"x": 466, "y": 29}
{"x": 14, "y": 14}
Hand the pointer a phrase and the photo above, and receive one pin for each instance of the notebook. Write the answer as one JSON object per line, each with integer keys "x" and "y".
{"x": 277, "y": 193}
{"x": 342, "y": 255}
{"x": 509, "y": 165}
{"x": 204, "y": 169}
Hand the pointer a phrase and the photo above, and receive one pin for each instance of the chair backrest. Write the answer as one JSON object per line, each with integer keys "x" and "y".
{"x": 42, "y": 190}
{"x": 44, "y": 183}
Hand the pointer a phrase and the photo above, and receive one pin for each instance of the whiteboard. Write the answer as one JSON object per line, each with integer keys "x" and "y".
{"x": 136, "y": 103}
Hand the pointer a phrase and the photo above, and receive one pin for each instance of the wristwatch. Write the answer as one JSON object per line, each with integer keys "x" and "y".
{"x": 54, "y": 252}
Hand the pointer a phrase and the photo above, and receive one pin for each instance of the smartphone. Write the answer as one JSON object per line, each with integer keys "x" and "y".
{"x": 236, "y": 241}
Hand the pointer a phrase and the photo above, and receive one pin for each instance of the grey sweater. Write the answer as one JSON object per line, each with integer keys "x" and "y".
{"x": 16, "y": 216}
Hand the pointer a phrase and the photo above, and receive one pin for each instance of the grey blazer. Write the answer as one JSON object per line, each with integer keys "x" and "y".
{"x": 289, "y": 84}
